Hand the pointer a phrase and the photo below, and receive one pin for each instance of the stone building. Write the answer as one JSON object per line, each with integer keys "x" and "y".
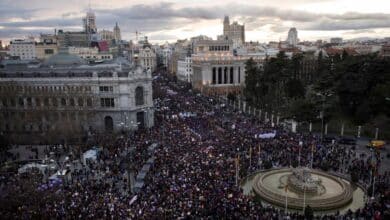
{"x": 44, "y": 50}
{"x": 63, "y": 97}
{"x": 234, "y": 32}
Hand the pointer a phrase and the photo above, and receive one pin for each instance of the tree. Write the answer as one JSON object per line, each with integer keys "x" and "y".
{"x": 294, "y": 89}
{"x": 250, "y": 90}
{"x": 303, "y": 110}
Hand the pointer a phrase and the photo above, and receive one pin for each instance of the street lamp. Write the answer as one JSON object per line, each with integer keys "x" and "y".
{"x": 323, "y": 96}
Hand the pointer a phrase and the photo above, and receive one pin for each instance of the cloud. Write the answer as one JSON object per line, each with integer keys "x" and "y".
{"x": 168, "y": 16}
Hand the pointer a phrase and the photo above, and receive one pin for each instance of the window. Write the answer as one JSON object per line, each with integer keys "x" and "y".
{"x": 49, "y": 51}
{"x": 21, "y": 101}
{"x": 107, "y": 102}
{"x": 54, "y": 100}
{"x": 71, "y": 101}
{"x": 4, "y": 102}
{"x": 105, "y": 89}
{"x": 46, "y": 101}
{"x": 63, "y": 101}
{"x": 89, "y": 102}
{"x": 80, "y": 102}
{"x": 29, "y": 101}
{"x": 139, "y": 95}
{"x": 37, "y": 102}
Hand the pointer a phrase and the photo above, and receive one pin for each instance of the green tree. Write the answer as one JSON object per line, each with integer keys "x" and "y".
{"x": 251, "y": 75}
{"x": 294, "y": 88}
{"x": 303, "y": 110}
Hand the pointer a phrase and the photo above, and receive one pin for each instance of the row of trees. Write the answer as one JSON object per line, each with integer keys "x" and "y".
{"x": 351, "y": 88}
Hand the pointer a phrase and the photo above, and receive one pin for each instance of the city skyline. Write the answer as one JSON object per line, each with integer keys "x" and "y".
{"x": 171, "y": 20}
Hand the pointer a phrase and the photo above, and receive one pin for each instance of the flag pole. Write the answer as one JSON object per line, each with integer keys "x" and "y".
{"x": 250, "y": 158}
{"x": 286, "y": 189}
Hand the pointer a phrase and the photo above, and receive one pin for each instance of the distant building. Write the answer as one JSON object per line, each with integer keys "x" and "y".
{"x": 107, "y": 35}
{"x": 89, "y": 22}
{"x": 45, "y": 50}
{"x": 90, "y": 54}
{"x": 147, "y": 58}
{"x": 76, "y": 39}
{"x": 336, "y": 40}
{"x": 117, "y": 33}
{"x": 385, "y": 52}
{"x": 184, "y": 69}
{"x": 23, "y": 49}
{"x": 292, "y": 38}
{"x": 234, "y": 32}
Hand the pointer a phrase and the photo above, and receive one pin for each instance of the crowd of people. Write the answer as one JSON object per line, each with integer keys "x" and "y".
{"x": 201, "y": 142}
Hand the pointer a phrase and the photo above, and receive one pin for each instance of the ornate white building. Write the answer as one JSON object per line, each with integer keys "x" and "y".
{"x": 65, "y": 95}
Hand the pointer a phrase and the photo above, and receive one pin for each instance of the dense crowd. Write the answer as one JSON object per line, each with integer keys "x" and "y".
{"x": 194, "y": 173}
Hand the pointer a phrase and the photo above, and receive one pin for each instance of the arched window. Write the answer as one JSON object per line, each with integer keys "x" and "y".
{"x": 37, "y": 102}
{"x": 21, "y": 101}
{"x": 63, "y": 101}
{"x": 108, "y": 123}
{"x": 55, "y": 102}
{"x": 139, "y": 95}
{"x": 71, "y": 101}
{"x": 80, "y": 102}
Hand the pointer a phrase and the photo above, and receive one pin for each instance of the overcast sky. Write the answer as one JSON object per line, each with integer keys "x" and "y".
{"x": 265, "y": 20}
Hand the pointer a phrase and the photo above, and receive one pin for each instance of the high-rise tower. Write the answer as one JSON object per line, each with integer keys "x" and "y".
{"x": 292, "y": 38}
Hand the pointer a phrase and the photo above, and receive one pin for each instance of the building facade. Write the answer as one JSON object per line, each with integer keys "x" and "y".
{"x": 76, "y": 39}
{"x": 46, "y": 102}
{"x": 23, "y": 49}
{"x": 147, "y": 59}
{"x": 184, "y": 69}
{"x": 292, "y": 38}
{"x": 90, "y": 53}
{"x": 234, "y": 32}
{"x": 45, "y": 50}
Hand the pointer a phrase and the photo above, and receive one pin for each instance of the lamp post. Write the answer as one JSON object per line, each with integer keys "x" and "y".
{"x": 323, "y": 96}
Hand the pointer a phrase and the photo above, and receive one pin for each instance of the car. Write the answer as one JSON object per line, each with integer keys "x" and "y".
{"x": 347, "y": 141}
{"x": 377, "y": 144}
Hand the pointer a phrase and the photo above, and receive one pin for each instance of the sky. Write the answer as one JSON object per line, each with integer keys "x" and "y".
{"x": 265, "y": 20}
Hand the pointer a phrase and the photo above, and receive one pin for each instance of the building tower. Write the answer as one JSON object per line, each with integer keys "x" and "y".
{"x": 292, "y": 38}
{"x": 89, "y": 22}
{"x": 234, "y": 32}
{"x": 226, "y": 26}
{"x": 117, "y": 33}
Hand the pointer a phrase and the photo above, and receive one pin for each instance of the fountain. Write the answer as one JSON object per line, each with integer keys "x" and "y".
{"x": 303, "y": 186}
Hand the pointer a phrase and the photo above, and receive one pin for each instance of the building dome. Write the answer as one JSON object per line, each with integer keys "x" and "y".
{"x": 63, "y": 58}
